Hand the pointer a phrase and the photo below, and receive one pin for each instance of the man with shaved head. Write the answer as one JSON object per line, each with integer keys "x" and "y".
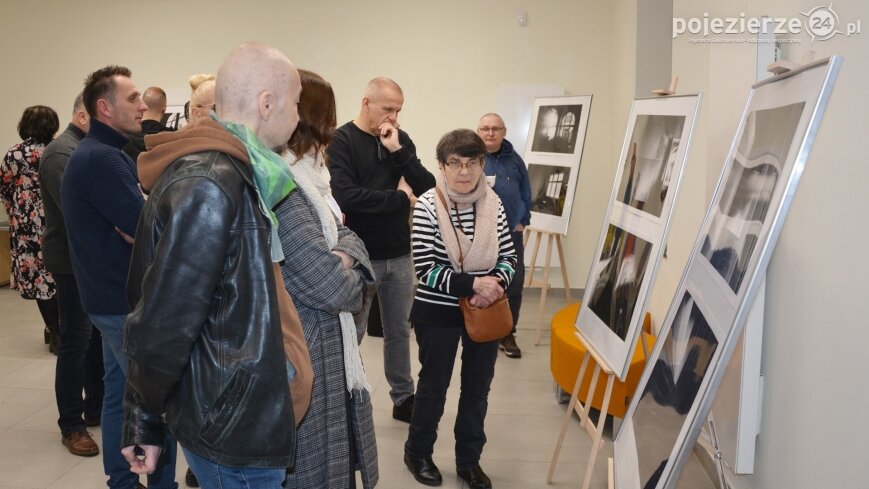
{"x": 205, "y": 338}
{"x": 376, "y": 177}
{"x": 152, "y": 121}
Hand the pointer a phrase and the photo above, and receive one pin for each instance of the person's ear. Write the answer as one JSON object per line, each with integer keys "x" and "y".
{"x": 104, "y": 108}
{"x": 365, "y": 102}
{"x": 266, "y": 102}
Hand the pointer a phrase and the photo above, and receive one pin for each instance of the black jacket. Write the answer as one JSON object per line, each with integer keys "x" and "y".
{"x": 204, "y": 339}
{"x": 364, "y": 182}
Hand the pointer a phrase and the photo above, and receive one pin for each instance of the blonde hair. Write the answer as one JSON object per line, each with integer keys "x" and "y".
{"x": 196, "y": 80}
{"x": 202, "y": 91}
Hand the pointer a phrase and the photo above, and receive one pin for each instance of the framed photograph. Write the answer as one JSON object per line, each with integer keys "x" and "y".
{"x": 554, "y": 150}
{"x": 727, "y": 265}
{"x": 549, "y": 186}
{"x": 635, "y": 229}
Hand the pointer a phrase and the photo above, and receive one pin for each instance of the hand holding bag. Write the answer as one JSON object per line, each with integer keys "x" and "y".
{"x": 483, "y": 324}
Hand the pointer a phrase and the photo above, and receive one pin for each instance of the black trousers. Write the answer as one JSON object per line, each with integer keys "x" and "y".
{"x": 437, "y": 354}
{"x": 79, "y": 360}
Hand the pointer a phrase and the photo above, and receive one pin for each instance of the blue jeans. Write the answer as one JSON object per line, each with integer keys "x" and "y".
{"x": 215, "y": 476}
{"x": 115, "y": 380}
{"x": 394, "y": 279}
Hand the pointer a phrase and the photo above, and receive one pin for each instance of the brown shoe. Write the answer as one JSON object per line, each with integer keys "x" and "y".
{"x": 80, "y": 443}
{"x": 511, "y": 349}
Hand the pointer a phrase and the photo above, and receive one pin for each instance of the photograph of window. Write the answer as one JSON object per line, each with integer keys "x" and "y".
{"x": 556, "y": 129}
{"x": 549, "y": 185}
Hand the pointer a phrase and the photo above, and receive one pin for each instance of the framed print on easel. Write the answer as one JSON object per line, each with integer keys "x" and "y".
{"x": 729, "y": 259}
{"x": 556, "y": 138}
{"x": 636, "y": 225}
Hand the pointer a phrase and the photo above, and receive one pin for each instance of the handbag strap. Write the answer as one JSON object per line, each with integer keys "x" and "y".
{"x": 458, "y": 243}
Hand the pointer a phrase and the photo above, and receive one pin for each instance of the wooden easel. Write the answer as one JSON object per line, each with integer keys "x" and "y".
{"x": 783, "y": 66}
{"x": 544, "y": 284}
{"x": 582, "y": 410}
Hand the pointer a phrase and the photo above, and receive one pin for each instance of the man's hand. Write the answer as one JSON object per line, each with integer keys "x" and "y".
{"x": 129, "y": 239}
{"x": 404, "y": 187}
{"x": 389, "y": 137}
{"x": 519, "y": 228}
{"x": 488, "y": 287}
{"x": 143, "y": 462}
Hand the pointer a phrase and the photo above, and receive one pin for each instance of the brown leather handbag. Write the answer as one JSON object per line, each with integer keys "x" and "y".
{"x": 483, "y": 324}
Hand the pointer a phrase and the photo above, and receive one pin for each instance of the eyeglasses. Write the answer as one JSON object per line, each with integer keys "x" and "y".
{"x": 489, "y": 129}
{"x": 471, "y": 164}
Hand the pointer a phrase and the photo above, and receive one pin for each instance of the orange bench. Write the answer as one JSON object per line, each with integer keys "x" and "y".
{"x": 566, "y": 358}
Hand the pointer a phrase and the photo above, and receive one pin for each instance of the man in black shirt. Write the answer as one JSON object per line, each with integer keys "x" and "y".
{"x": 376, "y": 177}
{"x": 152, "y": 121}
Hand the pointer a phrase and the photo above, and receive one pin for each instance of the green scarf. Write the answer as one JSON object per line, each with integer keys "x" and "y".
{"x": 270, "y": 174}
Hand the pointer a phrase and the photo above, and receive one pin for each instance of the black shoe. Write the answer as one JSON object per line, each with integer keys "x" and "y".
{"x": 511, "y": 349}
{"x": 403, "y": 411}
{"x": 190, "y": 479}
{"x": 475, "y": 477}
{"x": 424, "y": 470}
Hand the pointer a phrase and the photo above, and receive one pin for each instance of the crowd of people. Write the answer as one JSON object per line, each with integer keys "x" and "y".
{"x": 208, "y": 286}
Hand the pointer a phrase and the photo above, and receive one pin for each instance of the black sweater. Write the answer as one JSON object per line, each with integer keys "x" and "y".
{"x": 365, "y": 176}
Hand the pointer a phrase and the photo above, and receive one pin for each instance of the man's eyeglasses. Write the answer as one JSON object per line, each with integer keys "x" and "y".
{"x": 490, "y": 129}
{"x": 471, "y": 164}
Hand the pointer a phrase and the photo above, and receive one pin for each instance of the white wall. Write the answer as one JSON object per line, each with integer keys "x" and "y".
{"x": 448, "y": 56}
{"x": 813, "y": 432}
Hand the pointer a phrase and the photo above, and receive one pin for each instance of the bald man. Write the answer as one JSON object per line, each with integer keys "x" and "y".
{"x": 152, "y": 121}
{"x": 204, "y": 338}
{"x": 376, "y": 177}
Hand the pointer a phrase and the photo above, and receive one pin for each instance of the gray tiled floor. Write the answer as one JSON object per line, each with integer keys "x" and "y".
{"x": 521, "y": 426}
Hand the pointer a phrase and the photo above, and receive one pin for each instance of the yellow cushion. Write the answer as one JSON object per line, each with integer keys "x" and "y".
{"x": 566, "y": 358}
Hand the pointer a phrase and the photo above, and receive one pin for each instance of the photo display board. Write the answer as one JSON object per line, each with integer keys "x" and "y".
{"x": 556, "y": 137}
{"x": 726, "y": 266}
{"x": 635, "y": 230}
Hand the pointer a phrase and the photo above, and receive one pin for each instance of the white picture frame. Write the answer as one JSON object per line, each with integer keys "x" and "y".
{"x": 556, "y": 137}
{"x": 651, "y": 163}
{"x": 721, "y": 285}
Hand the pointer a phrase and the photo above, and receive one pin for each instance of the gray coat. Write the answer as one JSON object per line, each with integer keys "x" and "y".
{"x": 321, "y": 287}
{"x": 55, "y": 249}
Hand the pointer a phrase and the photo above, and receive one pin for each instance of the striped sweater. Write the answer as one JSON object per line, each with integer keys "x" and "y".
{"x": 436, "y": 301}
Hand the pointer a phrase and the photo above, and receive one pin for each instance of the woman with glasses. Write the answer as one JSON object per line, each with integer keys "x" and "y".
{"x": 461, "y": 248}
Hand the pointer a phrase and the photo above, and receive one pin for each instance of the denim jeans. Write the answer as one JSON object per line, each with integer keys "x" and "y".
{"x": 215, "y": 476}
{"x": 437, "y": 354}
{"x": 514, "y": 290}
{"x": 394, "y": 279}
{"x": 79, "y": 360}
{"x": 115, "y": 380}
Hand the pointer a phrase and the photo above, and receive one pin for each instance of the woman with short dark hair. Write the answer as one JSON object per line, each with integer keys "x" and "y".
{"x": 461, "y": 248}
{"x": 19, "y": 191}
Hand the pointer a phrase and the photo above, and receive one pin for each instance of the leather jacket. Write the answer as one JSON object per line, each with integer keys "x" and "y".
{"x": 204, "y": 339}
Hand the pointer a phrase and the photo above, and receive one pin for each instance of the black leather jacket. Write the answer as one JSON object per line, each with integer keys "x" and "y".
{"x": 204, "y": 339}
